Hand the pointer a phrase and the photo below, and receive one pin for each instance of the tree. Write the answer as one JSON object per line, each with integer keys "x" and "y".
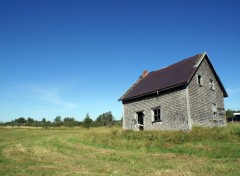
{"x": 229, "y": 113}
{"x": 58, "y": 121}
{"x": 21, "y": 120}
{"x": 105, "y": 119}
{"x": 69, "y": 121}
{"x": 44, "y": 120}
{"x": 87, "y": 122}
{"x": 30, "y": 120}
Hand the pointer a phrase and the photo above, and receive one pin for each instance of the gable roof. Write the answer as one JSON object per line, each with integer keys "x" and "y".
{"x": 175, "y": 75}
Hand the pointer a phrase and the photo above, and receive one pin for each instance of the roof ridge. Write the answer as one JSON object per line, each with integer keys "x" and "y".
{"x": 199, "y": 60}
{"x": 179, "y": 62}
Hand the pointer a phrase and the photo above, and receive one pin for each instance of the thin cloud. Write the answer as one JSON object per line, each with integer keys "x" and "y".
{"x": 49, "y": 111}
{"x": 48, "y": 94}
{"x": 233, "y": 91}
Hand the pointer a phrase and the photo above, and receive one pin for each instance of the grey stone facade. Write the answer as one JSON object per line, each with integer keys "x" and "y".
{"x": 182, "y": 107}
{"x": 173, "y": 111}
{"x": 202, "y": 97}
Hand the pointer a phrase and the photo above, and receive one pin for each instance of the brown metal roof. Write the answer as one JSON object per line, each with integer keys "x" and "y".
{"x": 174, "y": 75}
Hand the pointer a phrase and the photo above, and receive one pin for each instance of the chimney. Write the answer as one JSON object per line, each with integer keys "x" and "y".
{"x": 144, "y": 74}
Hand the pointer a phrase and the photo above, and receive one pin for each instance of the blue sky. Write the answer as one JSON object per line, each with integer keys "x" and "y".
{"x": 70, "y": 58}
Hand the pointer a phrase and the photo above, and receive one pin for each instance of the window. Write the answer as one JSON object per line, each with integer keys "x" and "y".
{"x": 157, "y": 114}
{"x": 211, "y": 84}
{"x": 214, "y": 109}
{"x": 199, "y": 80}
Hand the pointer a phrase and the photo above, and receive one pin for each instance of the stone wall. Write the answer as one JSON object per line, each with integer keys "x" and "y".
{"x": 173, "y": 111}
{"x": 201, "y": 99}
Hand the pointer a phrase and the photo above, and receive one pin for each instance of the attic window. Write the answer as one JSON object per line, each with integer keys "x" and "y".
{"x": 211, "y": 84}
{"x": 199, "y": 80}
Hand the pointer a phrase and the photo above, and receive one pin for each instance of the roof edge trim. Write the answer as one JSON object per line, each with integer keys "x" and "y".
{"x": 155, "y": 91}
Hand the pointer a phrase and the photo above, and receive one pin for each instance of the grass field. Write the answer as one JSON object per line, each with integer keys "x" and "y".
{"x": 111, "y": 151}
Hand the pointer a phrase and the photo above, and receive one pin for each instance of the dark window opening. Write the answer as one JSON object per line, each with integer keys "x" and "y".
{"x": 140, "y": 116}
{"x": 199, "y": 80}
{"x": 157, "y": 114}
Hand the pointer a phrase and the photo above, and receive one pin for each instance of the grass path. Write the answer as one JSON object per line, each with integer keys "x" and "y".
{"x": 78, "y": 152}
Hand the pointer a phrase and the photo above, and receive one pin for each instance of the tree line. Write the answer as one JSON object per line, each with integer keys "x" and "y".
{"x": 229, "y": 115}
{"x": 105, "y": 119}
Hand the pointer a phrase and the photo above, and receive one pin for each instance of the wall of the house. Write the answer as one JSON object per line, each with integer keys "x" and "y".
{"x": 201, "y": 99}
{"x": 173, "y": 111}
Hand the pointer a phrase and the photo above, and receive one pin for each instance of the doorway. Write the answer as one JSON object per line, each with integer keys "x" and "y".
{"x": 140, "y": 116}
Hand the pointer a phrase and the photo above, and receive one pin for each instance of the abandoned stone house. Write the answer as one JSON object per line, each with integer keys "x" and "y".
{"x": 177, "y": 97}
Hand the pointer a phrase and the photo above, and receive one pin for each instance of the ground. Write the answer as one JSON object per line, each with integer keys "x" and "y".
{"x": 111, "y": 151}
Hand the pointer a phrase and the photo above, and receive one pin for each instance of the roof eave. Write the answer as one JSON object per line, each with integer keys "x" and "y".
{"x": 124, "y": 95}
{"x": 155, "y": 91}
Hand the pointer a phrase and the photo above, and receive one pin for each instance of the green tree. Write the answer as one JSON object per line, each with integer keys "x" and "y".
{"x": 21, "y": 120}
{"x": 105, "y": 119}
{"x": 58, "y": 121}
{"x": 229, "y": 113}
{"x": 44, "y": 120}
{"x": 30, "y": 121}
{"x": 69, "y": 121}
{"x": 87, "y": 122}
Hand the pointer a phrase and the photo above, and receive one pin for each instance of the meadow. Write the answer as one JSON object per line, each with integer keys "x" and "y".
{"x": 111, "y": 151}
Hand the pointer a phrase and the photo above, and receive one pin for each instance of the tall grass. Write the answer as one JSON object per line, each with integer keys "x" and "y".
{"x": 218, "y": 142}
{"x": 111, "y": 151}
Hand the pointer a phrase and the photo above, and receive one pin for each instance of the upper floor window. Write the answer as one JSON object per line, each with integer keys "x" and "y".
{"x": 211, "y": 84}
{"x": 157, "y": 114}
{"x": 199, "y": 80}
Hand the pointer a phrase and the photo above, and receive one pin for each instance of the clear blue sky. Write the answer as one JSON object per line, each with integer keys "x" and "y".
{"x": 70, "y": 58}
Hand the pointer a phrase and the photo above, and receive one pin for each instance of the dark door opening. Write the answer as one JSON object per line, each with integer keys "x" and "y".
{"x": 140, "y": 120}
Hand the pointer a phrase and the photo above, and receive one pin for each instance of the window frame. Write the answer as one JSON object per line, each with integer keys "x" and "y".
{"x": 215, "y": 111}
{"x": 211, "y": 84}
{"x": 156, "y": 114}
{"x": 200, "y": 79}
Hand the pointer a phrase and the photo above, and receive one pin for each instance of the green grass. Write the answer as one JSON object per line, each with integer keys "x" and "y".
{"x": 111, "y": 151}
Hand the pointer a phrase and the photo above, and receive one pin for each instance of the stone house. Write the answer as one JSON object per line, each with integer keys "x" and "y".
{"x": 177, "y": 97}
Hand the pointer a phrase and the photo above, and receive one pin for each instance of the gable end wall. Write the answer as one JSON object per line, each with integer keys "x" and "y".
{"x": 201, "y": 99}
